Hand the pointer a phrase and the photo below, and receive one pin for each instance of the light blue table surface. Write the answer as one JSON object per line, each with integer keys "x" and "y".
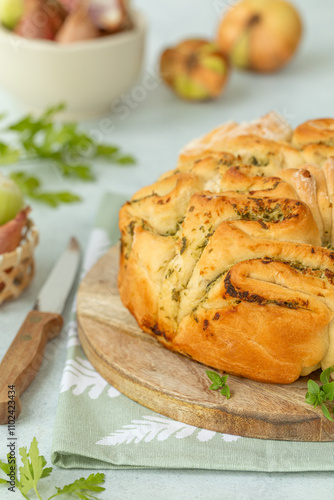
{"x": 153, "y": 126}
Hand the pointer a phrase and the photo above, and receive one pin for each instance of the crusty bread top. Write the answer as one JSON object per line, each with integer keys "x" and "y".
{"x": 320, "y": 131}
{"x": 228, "y": 257}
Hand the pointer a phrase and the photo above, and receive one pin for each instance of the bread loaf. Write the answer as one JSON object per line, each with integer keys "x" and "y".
{"x": 228, "y": 258}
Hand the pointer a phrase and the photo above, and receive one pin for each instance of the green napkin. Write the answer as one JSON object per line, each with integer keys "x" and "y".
{"x": 98, "y": 427}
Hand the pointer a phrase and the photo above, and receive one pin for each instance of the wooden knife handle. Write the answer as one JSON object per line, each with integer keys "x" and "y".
{"x": 23, "y": 360}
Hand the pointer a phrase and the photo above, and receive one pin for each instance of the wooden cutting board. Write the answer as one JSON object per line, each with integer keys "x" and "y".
{"x": 177, "y": 387}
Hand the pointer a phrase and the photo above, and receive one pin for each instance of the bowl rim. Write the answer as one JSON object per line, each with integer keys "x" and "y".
{"x": 105, "y": 41}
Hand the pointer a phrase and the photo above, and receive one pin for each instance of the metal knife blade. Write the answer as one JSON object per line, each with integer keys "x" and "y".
{"x": 54, "y": 292}
{"x": 44, "y": 322}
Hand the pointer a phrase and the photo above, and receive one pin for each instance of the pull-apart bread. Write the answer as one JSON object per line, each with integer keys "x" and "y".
{"x": 229, "y": 257}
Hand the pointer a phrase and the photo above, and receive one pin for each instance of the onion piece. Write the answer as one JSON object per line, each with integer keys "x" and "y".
{"x": 11, "y": 199}
{"x": 78, "y": 26}
{"x": 69, "y": 5}
{"x": 11, "y": 232}
{"x": 109, "y": 15}
{"x": 41, "y": 19}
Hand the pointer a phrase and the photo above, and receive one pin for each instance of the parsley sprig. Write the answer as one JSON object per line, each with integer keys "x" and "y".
{"x": 318, "y": 395}
{"x": 31, "y": 187}
{"x": 219, "y": 383}
{"x": 34, "y": 469}
{"x": 63, "y": 145}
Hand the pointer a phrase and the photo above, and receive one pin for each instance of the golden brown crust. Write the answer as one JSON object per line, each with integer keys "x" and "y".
{"x": 320, "y": 131}
{"x": 222, "y": 257}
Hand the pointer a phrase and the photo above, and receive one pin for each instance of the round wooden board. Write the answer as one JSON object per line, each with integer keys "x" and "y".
{"x": 177, "y": 387}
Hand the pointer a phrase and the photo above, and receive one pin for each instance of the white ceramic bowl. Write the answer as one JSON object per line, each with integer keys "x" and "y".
{"x": 88, "y": 76}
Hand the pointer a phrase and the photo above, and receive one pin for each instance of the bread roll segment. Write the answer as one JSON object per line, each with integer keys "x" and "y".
{"x": 228, "y": 257}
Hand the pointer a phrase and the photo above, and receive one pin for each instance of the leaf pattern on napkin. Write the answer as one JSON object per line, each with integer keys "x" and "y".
{"x": 80, "y": 375}
{"x": 158, "y": 428}
{"x": 72, "y": 334}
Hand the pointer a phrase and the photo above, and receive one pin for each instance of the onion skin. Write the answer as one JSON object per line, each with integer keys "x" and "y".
{"x": 110, "y": 16}
{"x": 41, "y": 19}
{"x": 11, "y": 232}
{"x": 68, "y": 21}
{"x": 260, "y": 35}
{"x": 195, "y": 69}
{"x": 69, "y": 5}
{"x": 78, "y": 26}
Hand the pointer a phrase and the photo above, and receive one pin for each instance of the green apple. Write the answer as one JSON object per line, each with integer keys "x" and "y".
{"x": 11, "y": 199}
{"x": 10, "y": 12}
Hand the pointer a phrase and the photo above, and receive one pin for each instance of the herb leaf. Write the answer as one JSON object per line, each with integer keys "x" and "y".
{"x": 318, "y": 395}
{"x": 34, "y": 468}
{"x": 30, "y": 186}
{"x": 8, "y": 155}
{"x": 326, "y": 375}
{"x": 5, "y": 468}
{"x": 81, "y": 485}
{"x": 9, "y": 469}
{"x": 225, "y": 391}
{"x": 125, "y": 160}
{"x": 106, "y": 150}
{"x": 219, "y": 383}
{"x": 325, "y": 411}
{"x": 329, "y": 390}
{"x": 82, "y": 172}
{"x": 64, "y": 145}
{"x": 214, "y": 377}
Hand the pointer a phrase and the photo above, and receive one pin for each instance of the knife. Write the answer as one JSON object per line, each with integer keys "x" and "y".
{"x": 44, "y": 322}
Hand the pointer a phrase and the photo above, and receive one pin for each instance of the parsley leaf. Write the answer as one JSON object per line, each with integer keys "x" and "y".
{"x": 219, "y": 383}
{"x": 34, "y": 469}
{"x": 5, "y": 467}
{"x": 83, "y": 485}
{"x": 317, "y": 395}
{"x": 9, "y": 469}
{"x": 125, "y": 160}
{"x": 30, "y": 186}
{"x": 105, "y": 150}
{"x": 82, "y": 172}
{"x": 8, "y": 154}
{"x": 64, "y": 145}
